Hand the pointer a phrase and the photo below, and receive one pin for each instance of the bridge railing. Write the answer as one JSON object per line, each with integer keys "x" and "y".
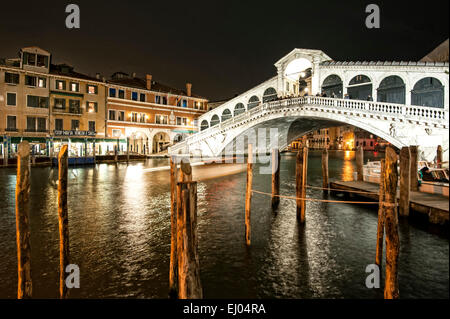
{"x": 409, "y": 112}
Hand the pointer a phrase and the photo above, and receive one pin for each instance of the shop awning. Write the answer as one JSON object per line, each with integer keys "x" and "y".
{"x": 184, "y": 131}
{"x": 18, "y": 139}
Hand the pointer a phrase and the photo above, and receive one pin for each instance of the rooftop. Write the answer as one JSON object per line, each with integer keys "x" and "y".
{"x": 139, "y": 83}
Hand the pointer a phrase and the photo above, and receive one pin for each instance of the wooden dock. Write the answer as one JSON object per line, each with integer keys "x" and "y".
{"x": 433, "y": 205}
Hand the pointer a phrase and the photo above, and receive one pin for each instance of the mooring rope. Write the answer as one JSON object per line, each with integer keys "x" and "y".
{"x": 316, "y": 199}
{"x": 342, "y": 190}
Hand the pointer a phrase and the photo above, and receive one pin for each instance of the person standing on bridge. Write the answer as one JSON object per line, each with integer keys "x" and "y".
{"x": 369, "y": 98}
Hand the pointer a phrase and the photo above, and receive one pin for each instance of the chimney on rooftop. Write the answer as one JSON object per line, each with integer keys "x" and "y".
{"x": 97, "y": 76}
{"x": 133, "y": 75}
{"x": 148, "y": 78}
{"x": 189, "y": 89}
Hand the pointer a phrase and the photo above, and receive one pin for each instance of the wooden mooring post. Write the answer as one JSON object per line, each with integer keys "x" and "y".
{"x": 360, "y": 163}
{"x": 5, "y": 153}
{"x": 301, "y": 173}
{"x": 439, "y": 157}
{"x": 63, "y": 219}
{"x": 276, "y": 162}
{"x": 116, "y": 154}
{"x": 414, "y": 182}
{"x": 405, "y": 171}
{"x": 380, "y": 225}
{"x": 173, "y": 230}
{"x": 391, "y": 225}
{"x": 24, "y": 286}
{"x": 189, "y": 284}
{"x": 128, "y": 149}
{"x": 248, "y": 194}
{"x": 325, "y": 184}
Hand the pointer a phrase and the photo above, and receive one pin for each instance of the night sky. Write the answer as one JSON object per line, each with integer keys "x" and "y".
{"x": 222, "y": 47}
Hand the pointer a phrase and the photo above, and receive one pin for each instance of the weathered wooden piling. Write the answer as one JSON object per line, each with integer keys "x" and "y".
{"x": 360, "y": 163}
{"x": 380, "y": 225}
{"x": 405, "y": 171}
{"x": 128, "y": 149}
{"x": 63, "y": 218}
{"x": 173, "y": 226}
{"x": 24, "y": 287}
{"x": 439, "y": 157}
{"x": 189, "y": 284}
{"x": 94, "y": 153}
{"x": 301, "y": 173}
{"x": 248, "y": 194}
{"x": 391, "y": 225}
{"x": 5, "y": 154}
{"x": 186, "y": 171}
{"x": 276, "y": 159}
{"x": 325, "y": 184}
{"x": 414, "y": 182}
{"x": 116, "y": 154}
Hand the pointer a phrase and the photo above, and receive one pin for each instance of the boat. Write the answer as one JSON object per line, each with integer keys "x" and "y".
{"x": 437, "y": 181}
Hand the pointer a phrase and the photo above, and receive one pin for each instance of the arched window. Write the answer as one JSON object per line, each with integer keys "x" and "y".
{"x": 215, "y": 120}
{"x": 270, "y": 95}
{"x": 391, "y": 90}
{"x": 360, "y": 88}
{"x": 428, "y": 92}
{"x": 239, "y": 109}
{"x": 226, "y": 115}
{"x": 253, "y": 102}
{"x": 204, "y": 125}
{"x": 333, "y": 85}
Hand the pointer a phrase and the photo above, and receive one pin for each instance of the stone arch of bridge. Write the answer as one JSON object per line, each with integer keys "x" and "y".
{"x": 291, "y": 127}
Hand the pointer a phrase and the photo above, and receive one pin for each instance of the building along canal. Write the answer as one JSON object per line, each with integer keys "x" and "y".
{"x": 119, "y": 219}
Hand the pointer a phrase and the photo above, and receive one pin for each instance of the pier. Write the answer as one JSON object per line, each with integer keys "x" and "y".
{"x": 433, "y": 205}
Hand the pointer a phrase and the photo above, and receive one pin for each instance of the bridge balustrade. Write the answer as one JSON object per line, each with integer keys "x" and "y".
{"x": 399, "y": 110}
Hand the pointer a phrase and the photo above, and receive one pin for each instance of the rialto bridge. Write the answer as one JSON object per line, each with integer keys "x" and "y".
{"x": 405, "y": 103}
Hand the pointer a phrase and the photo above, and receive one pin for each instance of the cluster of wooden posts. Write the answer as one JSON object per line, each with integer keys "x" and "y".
{"x": 24, "y": 289}
{"x": 184, "y": 273}
{"x": 387, "y": 213}
{"x": 301, "y": 184}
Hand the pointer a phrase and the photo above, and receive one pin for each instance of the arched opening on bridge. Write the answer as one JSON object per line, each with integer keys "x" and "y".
{"x": 161, "y": 142}
{"x": 303, "y": 88}
{"x": 270, "y": 95}
{"x": 215, "y": 120}
{"x": 360, "y": 88}
{"x": 333, "y": 85}
{"x": 239, "y": 109}
{"x": 298, "y": 70}
{"x": 392, "y": 90}
{"x": 226, "y": 115}
{"x": 428, "y": 92}
{"x": 204, "y": 125}
{"x": 253, "y": 102}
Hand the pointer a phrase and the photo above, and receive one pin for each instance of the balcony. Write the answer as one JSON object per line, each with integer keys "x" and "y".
{"x": 11, "y": 129}
{"x": 69, "y": 110}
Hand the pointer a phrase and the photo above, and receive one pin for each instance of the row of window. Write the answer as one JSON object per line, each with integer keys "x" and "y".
{"x": 159, "y": 99}
{"x": 39, "y": 124}
{"x": 114, "y": 115}
{"x": 42, "y": 102}
{"x": 40, "y": 82}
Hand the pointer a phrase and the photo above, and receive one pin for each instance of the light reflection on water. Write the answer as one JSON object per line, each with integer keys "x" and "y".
{"x": 120, "y": 237}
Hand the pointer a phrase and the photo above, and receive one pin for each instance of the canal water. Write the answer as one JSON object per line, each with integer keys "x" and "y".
{"x": 120, "y": 237}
